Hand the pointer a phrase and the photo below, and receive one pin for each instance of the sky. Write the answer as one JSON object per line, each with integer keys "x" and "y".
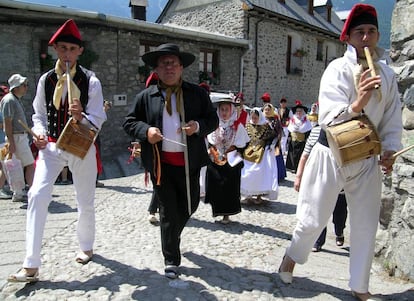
{"x": 120, "y": 8}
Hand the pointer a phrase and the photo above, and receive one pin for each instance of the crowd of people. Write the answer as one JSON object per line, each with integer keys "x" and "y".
{"x": 226, "y": 153}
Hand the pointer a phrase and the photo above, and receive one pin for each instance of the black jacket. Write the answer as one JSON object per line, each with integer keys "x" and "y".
{"x": 147, "y": 112}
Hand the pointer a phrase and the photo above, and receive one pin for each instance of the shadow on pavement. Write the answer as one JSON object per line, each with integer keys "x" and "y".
{"x": 148, "y": 283}
{"x": 237, "y": 228}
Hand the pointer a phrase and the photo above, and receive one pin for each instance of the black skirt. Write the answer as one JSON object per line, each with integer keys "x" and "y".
{"x": 223, "y": 188}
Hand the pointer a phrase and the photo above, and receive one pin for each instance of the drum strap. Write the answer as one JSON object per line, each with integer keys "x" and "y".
{"x": 322, "y": 138}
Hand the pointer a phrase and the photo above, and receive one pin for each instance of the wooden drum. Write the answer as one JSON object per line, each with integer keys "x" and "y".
{"x": 76, "y": 138}
{"x": 353, "y": 140}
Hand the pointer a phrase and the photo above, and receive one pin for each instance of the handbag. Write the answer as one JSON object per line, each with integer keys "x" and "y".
{"x": 14, "y": 173}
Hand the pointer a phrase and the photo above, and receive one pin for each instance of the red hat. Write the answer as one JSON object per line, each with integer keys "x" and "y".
{"x": 152, "y": 79}
{"x": 266, "y": 97}
{"x": 360, "y": 14}
{"x": 205, "y": 86}
{"x": 68, "y": 32}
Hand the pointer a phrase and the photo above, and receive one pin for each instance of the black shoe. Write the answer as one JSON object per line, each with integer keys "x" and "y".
{"x": 340, "y": 240}
{"x": 171, "y": 271}
{"x": 316, "y": 248}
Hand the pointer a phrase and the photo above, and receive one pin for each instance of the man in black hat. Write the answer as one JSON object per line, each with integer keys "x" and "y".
{"x": 159, "y": 115}
{"x": 348, "y": 89}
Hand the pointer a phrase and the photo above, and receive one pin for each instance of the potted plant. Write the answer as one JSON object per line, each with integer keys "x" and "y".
{"x": 208, "y": 77}
{"x": 300, "y": 52}
{"x": 143, "y": 71}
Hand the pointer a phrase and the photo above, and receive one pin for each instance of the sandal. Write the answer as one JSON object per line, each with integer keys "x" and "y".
{"x": 365, "y": 296}
{"x": 22, "y": 276}
{"x": 287, "y": 275}
{"x": 84, "y": 258}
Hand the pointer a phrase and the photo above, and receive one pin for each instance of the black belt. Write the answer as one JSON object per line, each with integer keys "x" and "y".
{"x": 322, "y": 138}
{"x": 19, "y": 133}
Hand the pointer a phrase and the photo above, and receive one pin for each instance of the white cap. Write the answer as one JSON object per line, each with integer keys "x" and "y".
{"x": 16, "y": 80}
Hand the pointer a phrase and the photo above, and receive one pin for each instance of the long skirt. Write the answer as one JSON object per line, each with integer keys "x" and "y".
{"x": 260, "y": 178}
{"x": 223, "y": 188}
{"x": 281, "y": 169}
{"x": 295, "y": 149}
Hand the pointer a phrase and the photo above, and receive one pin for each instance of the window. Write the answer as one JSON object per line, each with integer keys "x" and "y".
{"x": 208, "y": 67}
{"x": 294, "y": 54}
{"x": 319, "y": 51}
{"x": 47, "y": 56}
{"x": 143, "y": 69}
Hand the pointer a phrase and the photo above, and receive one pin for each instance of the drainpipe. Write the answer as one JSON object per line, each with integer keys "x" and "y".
{"x": 256, "y": 60}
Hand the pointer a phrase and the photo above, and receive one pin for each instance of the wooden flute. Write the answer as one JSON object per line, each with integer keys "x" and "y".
{"x": 370, "y": 64}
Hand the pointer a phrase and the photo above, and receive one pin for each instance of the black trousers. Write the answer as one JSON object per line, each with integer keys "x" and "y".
{"x": 173, "y": 207}
{"x": 340, "y": 214}
{"x": 153, "y": 206}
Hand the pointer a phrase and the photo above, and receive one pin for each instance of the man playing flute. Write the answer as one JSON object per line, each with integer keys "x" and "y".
{"x": 52, "y": 110}
{"x": 348, "y": 89}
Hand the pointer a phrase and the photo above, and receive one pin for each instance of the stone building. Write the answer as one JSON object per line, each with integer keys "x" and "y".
{"x": 292, "y": 41}
{"x": 281, "y": 47}
{"x": 113, "y": 50}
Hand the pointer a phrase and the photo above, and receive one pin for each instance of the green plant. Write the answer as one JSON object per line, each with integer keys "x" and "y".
{"x": 144, "y": 70}
{"x": 87, "y": 58}
{"x": 300, "y": 52}
{"x": 46, "y": 62}
{"x": 208, "y": 77}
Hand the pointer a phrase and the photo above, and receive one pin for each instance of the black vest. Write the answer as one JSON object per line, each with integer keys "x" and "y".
{"x": 56, "y": 119}
{"x": 285, "y": 117}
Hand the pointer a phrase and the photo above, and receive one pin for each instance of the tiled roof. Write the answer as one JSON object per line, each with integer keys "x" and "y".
{"x": 293, "y": 10}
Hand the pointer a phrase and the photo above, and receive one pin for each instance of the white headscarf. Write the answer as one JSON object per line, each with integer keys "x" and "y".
{"x": 262, "y": 118}
{"x": 226, "y": 135}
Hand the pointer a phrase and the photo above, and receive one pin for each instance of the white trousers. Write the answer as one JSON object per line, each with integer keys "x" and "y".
{"x": 50, "y": 163}
{"x": 283, "y": 140}
{"x": 321, "y": 183}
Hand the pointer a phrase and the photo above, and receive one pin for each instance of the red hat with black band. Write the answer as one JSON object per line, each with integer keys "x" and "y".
{"x": 360, "y": 14}
{"x": 68, "y": 32}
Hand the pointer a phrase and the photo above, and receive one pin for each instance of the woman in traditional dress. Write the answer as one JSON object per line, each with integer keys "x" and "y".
{"x": 299, "y": 128}
{"x": 259, "y": 174}
{"x": 313, "y": 115}
{"x": 223, "y": 174}
{"x": 274, "y": 120}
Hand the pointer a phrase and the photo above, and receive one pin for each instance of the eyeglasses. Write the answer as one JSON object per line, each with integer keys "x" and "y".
{"x": 172, "y": 64}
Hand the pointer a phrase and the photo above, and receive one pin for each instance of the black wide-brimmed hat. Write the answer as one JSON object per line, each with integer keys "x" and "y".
{"x": 299, "y": 105}
{"x": 151, "y": 57}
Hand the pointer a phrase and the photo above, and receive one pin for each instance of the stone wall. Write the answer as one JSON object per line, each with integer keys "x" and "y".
{"x": 395, "y": 242}
{"x": 116, "y": 67}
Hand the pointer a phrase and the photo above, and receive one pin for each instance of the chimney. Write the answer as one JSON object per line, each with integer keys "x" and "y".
{"x": 310, "y": 7}
{"x": 329, "y": 13}
{"x": 138, "y": 9}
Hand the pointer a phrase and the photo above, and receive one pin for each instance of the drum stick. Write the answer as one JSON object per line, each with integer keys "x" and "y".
{"x": 28, "y": 129}
{"x": 173, "y": 141}
{"x": 402, "y": 151}
{"x": 370, "y": 64}
{"x": 68, "y": 80}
